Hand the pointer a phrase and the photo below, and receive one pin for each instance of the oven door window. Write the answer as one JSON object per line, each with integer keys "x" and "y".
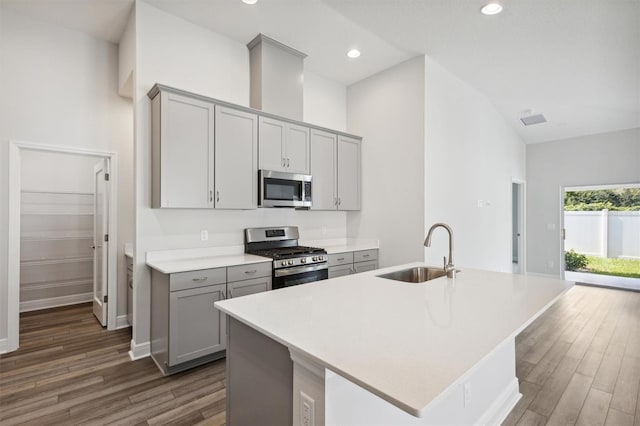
{"x": 303, "y": 278}
{"x": 282, "y": 189}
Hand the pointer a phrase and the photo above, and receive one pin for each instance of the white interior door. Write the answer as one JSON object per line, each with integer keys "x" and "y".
{"x": 100, "y": 240}
{"x": 517, "y": 228}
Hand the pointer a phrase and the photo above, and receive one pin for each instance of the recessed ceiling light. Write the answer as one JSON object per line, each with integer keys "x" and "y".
{"x": 491, "y": 9}
{"x": 249, "y": 1}
{"x": 353, "y": 53}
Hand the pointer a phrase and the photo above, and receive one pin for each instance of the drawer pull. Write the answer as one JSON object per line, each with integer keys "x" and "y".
{"x": 253, "y": 271}
{"x": 365, "y": 255}
{"x": 199, "y": 280}
{"x": 340, "y": 259}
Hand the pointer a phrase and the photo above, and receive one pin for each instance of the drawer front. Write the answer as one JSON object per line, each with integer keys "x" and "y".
{"x": 340, "y": 271}
{"x": 195, "y": 279}
{"x": 247, "y": 272}
{"x": 365, "y": 255}
{"x": 246, "y": 287}
{"x": 338, "y": 259}
{"x": 370, "y": 265}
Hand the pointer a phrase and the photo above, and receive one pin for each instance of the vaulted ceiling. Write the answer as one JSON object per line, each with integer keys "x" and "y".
{"x": 575, "y": 61}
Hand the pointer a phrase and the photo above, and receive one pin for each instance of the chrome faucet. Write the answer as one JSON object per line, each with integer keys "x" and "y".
{"x": 449, "y": 267}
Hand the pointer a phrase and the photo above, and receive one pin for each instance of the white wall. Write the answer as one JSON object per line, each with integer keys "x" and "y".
{"x": 59, "y": 87}
{"x": 387, "y": 110}
{"x": 56, "y": 172}
{"x": 608, "y": 158}
{"x": 176, "y": 53}
{"x": 471, "y": 154}
{"x": 324, "y": 102}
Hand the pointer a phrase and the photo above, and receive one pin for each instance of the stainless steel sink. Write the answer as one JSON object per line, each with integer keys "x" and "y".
{"x": 418, "y": 274}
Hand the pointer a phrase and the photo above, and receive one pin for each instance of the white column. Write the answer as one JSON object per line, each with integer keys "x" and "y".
{"x": 308, "y": 390}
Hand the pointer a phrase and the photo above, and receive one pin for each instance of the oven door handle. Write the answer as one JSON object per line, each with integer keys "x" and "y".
{"x": 284, "y": 272}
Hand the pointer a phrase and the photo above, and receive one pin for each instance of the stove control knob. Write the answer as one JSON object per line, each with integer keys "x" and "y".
{"x": 284, "y": 263}
{"x": 320, "y": 258}
{"x": 315, "y": 258}
{"x": 291, "y": 262}
{"x": 303, "y": 260}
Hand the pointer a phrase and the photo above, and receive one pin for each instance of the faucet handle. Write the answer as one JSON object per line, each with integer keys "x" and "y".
{"x": 444, "y": 262}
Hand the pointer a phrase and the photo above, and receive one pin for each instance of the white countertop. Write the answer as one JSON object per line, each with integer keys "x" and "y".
{"x": 407, "y": 343}
{"x": 198, "y": 263}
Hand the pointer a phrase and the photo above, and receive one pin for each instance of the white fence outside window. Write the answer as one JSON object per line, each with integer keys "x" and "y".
{"x": 603, "y": 233}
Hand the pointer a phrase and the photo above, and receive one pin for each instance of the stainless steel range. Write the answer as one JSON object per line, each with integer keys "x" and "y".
{"x": 292, "y": 264}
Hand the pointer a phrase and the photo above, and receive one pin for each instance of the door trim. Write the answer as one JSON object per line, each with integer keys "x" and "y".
{"x": 522, "y": 208}
{"x": 13, "y": 257}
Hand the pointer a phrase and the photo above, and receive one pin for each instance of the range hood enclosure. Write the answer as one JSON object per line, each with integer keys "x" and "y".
{"x": 277, "y": 77}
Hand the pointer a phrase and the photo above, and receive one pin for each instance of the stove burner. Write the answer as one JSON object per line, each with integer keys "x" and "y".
{"x": 288, "y": 252}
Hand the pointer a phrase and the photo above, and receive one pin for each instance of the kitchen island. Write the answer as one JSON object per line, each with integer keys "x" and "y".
{"x": 362, "y": 349}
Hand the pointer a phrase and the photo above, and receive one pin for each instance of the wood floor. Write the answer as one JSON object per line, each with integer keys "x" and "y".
{"x": 578, "y": 364}
{"x": 69, "y": 370}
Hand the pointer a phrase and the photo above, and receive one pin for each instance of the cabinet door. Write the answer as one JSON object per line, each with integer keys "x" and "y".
{"x": 183, "y": 152}
{"x": 271, "y": 140}
{"x": 296, "y": 151}
{"x": 370, "y": 265}
{"x": 196, "y": 328}
{"x": 246, "y": 287}
{"x": 323, "y": 170}
{"x": 348, "y": 173}
{"x": 236, "y": 162}
{"x": 340, "y": 271}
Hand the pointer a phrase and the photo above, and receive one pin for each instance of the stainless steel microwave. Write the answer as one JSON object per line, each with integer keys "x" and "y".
{"x": 280, "y": 189}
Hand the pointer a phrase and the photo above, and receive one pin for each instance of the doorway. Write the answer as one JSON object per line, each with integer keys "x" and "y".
{"x": 600, "y": 242}
{"x": 52, "y": 229}
{"x": 517, "y": 226}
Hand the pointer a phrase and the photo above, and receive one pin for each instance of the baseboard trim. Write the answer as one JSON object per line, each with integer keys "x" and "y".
{"x": 502, "y": 406}
{"x": 4, "y": 346}
{"x": 122, "y": 321}
{"x": 54, "y": 302}
{"x": 139, "y": 351}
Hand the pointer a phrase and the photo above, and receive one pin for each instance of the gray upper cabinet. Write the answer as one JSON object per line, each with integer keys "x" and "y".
{"x": 236, "y": 162}
{"x": 348, "y": 173}
{"x": 283, "y": 146}
{"x": 182, "y": 150}
{"x": 323, "y": 170}
{"x": 335, "y": 167}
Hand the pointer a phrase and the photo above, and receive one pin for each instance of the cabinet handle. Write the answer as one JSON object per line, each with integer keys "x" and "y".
{"x": 284, "y": 162}
{"x": 288, "y": 162}
{"x": 339, "y": 201}
{"x": 340, "y": 259}
{"x": 230, "y": 294}
{"x": 253, "y": 271}
{"x": 224, "y": 296}
{"x": 217, "y": 196}
{"x": 365, "y": 255}
{"x": 351, "y": 271}
{"x": 199, "y": 280}
{"x": 210, "y": 196}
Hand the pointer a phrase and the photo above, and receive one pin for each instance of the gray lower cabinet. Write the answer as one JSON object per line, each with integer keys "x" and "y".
{"x": 352, "y": 262}
{"x": 129, "y": 261}
{"x": 196, "y": 328}
{"x": 186, "y": 329}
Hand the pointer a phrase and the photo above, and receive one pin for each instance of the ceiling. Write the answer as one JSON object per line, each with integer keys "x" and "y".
{"x": 575, "y": 61}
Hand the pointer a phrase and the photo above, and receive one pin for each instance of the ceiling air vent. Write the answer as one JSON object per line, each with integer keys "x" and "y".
{"x": 533, "y": 119}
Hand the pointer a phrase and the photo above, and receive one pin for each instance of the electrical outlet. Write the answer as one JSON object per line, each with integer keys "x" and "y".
{"x": 307, "y": 410}
{"x": 480, "y": 204}
{"x": 204, "y": 235}
{"x": 550, "y": 264}
{"x": 467, "y": 394}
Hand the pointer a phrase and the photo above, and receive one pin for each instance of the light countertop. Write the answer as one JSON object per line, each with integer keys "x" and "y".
{"x": 198, "y": 263}
{"x": 407, "y": 343}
